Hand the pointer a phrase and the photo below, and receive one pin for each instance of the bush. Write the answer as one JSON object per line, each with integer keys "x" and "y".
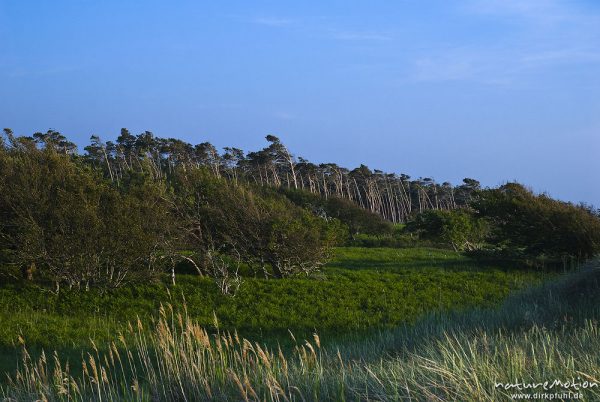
{"x": 459, "y": 228}
{"x": 68, "y": 225}
{"x": 358, "y": 220}
{"x": 262, "y": 230}
{"x": 537, "y": 225}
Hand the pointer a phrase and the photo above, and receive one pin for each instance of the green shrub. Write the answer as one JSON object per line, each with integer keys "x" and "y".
{"x": 538, "y": 225}
{"x": 459, "y": 228}
{"x": 358, "y": 220}
{"x": 261, "y": 229}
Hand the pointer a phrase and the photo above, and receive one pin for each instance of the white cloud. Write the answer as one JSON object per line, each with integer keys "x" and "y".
{"x": 360, "y": 36}
{"x": 571, "y": 55}
{"x": 548, "y": 33}
{"x": 284, "y": 116}
{"x": 444, "y": 68}
{"x": 317, "y": 26}
{"x": 537, "y": 10}
{"x": 272, "y": 21}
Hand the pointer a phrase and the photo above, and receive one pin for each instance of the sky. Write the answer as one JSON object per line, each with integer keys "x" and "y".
{"x": 496, "y": 90}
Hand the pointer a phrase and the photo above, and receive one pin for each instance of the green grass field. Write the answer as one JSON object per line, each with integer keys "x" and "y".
{"x": 360, "y": 290}
{"x": 542, "y": 333}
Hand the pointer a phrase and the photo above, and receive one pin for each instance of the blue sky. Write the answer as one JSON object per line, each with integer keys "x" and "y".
{"x": 496, "y": 90}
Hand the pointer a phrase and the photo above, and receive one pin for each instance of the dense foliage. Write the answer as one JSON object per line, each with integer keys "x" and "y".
{"x": 65, "y": 221}
{"x": 357, "y": 219}
{"x": 61, "y": 219}
{"x": 459, "y": 228}
{"x": 512, "y": 221}
{"x": 260, "y": 229}
{"x": 537, "y": 224}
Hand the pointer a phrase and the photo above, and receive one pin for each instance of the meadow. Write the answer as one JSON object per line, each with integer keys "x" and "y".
{"x": 362, "y": 290}
{"x": 545, "y": 332}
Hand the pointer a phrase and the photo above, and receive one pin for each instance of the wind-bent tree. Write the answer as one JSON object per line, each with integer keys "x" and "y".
{"x": 394, "y": 197}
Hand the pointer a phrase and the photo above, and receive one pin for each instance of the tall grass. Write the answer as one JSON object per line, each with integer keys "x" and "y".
{"x": 538, "y": 335}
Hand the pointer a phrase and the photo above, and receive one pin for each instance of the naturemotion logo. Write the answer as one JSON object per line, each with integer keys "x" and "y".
{"x": 561, "y": 389}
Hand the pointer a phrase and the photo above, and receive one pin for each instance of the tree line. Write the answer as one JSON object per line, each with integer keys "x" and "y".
{"x": 80, "y": 221}
{"x": 132, "y": 209}
{"x": 395, "y": 197}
